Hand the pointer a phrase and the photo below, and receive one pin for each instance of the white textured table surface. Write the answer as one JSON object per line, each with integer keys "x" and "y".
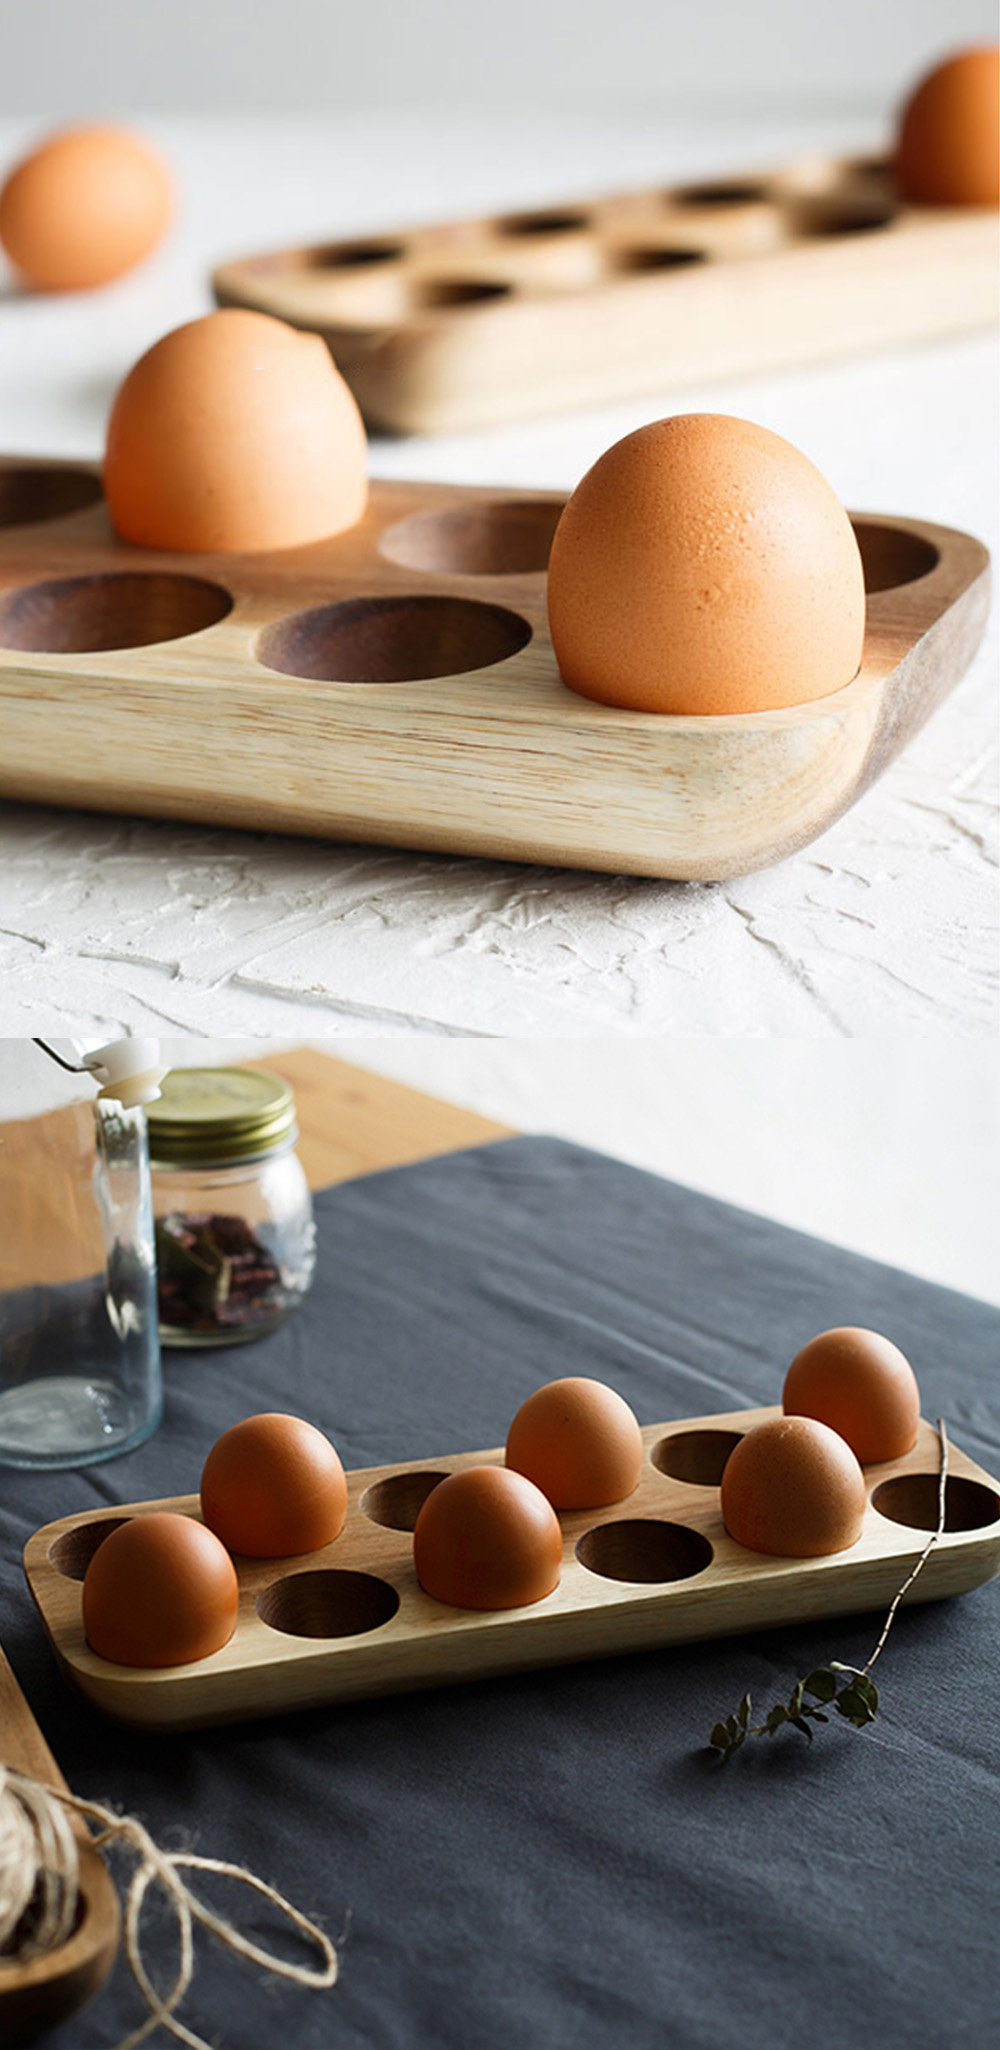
{"x": 887, "y": 922}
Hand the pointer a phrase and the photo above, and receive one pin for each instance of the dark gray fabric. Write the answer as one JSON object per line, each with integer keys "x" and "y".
{"x": 553, "y": 1860}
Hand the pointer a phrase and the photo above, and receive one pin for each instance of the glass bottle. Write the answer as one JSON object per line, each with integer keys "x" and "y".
{"x": 80, "y": 1376}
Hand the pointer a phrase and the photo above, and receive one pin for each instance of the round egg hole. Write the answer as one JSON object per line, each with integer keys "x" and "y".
{"x": 397, "y": 1501}
{"x": 72, "y": 1551}
{"x": 719, "y": 194}
{"x": 818, "y": 218}
{"x": 695, "y": 1456}
{"x": 392, "y": 640}
{"x": 448, "y": 292}
{"x": 890, "y": 556}
{"x": 84, "y": 615}
{"x": 638, "y": 1548}
{"x": 912, "y": 1498}
{"x": 651, "y": 258}
{"x": 494, "y": 539}
{"x": 327, "y": 1603}
{"x": 564, "y": 223}
{"x": 355, "y": 255}
{"x": 29, "y": 495}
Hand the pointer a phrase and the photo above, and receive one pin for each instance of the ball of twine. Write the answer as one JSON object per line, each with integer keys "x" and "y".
{"x": 40, "y": 1895}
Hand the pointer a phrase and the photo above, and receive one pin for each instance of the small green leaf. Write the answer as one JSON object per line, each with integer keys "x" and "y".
{"x": 743, "y": 1712}
{"x": 821, "y": 1684}
{"x": 720, "y": 1737}
{"x": 775, "y": 1717}
{"x": 818, "y": 1716}
{"x": 801, "y": 1724}
{"x": 867, "y": 1690}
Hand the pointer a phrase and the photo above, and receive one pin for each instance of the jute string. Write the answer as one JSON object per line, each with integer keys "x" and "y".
{"x": 40, "y": 1886}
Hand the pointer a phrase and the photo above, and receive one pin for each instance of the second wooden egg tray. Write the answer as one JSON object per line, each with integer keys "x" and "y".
{"x": 444, "y": 327}
{"x": 398, "y": 684}
{"x": 659, "y": 1568}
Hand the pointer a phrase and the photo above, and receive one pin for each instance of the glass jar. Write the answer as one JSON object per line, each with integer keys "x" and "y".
{"x": 235, "y": 1237}
{"x": 79, "y": 1355}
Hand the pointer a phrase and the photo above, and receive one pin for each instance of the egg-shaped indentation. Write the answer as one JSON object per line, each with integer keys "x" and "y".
{"x": 823, "y": 216}
{"x": 890, "y": 556}
{"x": 698, "y": 1457}
{"x": 633, "y": 259}
{"x": 392, "y": 640}
{"x": 498, "y": 538}
{"x": 354, "y": 255}
{"x": 433, "y": 295}
{"x": 30, "y": 493}
{"x": 71, "y": 1552}
{"x": 550, "y": 221}
{"x": 643, "y": 1549}
{"x": 327, "y": 1602}
{"x": 912, "y": 1499}
{"x": 396, "y": 1502}
{"x": 720, "y": 192}
{"x": 85, "y": 615}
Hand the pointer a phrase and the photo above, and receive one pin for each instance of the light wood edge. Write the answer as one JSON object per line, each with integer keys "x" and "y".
{"x": 811, "y": 761}
{"x": 928, "y": 272}
{"x": 425, "y": 1644}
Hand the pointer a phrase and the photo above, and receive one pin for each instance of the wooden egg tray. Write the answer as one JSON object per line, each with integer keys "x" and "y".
{"x": 467, "y": 322}
{"x": 397, "y": 684}
{"x": 657, "y": 1569}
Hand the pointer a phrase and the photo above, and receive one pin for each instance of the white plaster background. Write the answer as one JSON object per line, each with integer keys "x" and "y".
{"x": 886, "y": 924}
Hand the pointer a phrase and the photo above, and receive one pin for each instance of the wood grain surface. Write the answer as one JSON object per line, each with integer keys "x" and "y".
{"x": 658, "y": 1568}
{"x": 468, "y": 322}
{"x": 397, "y": 684}
{"x": 37, "y": 1995}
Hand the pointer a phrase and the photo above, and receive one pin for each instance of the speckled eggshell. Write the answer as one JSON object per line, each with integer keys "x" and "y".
{"x": 793, "y": 1488}
{"x": 235, "y": 433}
{"x": 579, "y": 1441}
{"x": 862, "y": 1386}
{"x": 704, "y": 566}
{"x": 948, "y": 152}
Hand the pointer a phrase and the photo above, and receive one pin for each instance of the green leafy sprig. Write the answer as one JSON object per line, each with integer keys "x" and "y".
{"x": 856, "y": 1697}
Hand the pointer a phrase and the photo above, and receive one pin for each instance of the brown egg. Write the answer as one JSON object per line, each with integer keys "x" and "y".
{"x": 273, "y": 1486}
{"x": 578, "y": 1441}
{"x": 794, "y": 1488}
{"x": 862, "y": 1386}
{"x": 948, "y": 153}
{"x": 85, "y": 206}
{"x": 487, "y": 1538}
{"x": 705, "y": 566}
{"x": 235, "y": 432}
{"x": 159, "y": 1591}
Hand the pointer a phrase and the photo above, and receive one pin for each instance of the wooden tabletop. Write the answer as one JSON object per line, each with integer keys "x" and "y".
{"x": 353, "y": 1122}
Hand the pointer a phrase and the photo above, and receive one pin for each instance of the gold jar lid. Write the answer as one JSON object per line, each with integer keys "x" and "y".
{"x": 212, "y": 1117}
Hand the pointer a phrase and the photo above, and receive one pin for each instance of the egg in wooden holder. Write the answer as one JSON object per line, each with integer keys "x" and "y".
{"x": 396, "y": 682}
{"x": 656, "y": 1568}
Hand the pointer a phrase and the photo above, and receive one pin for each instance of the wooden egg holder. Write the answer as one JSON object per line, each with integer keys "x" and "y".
{"x": 466, "y": 322}
{"x": 397, "y": 684}
{"x": 352, "y": 1620}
